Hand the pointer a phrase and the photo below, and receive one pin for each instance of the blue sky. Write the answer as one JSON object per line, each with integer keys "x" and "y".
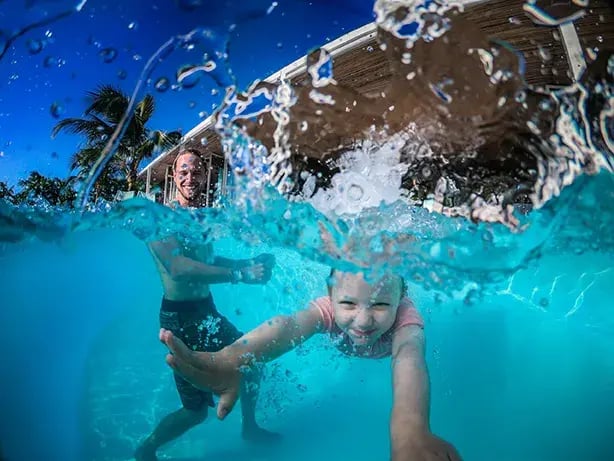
{"x": 55, "y": 65}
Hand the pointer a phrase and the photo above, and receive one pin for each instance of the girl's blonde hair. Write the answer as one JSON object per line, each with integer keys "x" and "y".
{"x": 329, "y": 283}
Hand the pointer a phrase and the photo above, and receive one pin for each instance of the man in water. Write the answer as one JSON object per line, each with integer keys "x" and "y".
{"x": 187, "y": 269}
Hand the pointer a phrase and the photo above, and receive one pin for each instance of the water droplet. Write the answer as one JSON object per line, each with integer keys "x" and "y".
{"x": 545, "y": 105}
{"x": 544, "y": 54}
{"x": 137, "y": 57}
{"x": 520, "y": 97}
{"x": 122, "y": 74}
{"x": 214, "y": 91}
{"x": 600, "y": 39}
{"x": 355, "y": 192}
{"x": 304, "y": 125}
{"x": 162, "y": 84}
{"x": 56, "y": 109}
{"x": 202, "y": 114}
{"x": 203, "y": 141}
{"x": 35, "y": 46}
{"x": 189, "y": 5}
{"x": 426, "y": 172}
{"x": 187, "y": 76}
{"x": 133, "y": 25}
{"x": 369, "y": 48}
{"x": 108, "y": 55}
{"x": 192, "y": 104}
{"x": 321, "y": 71}
{"x": 271, "y": 8}
{"x": 280, "y": 45}
{"x": 50, "y": 61}
{"x": 514, "y": 20}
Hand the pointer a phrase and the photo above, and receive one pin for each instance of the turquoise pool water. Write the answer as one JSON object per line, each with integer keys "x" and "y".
{"x": 521, "y": 370}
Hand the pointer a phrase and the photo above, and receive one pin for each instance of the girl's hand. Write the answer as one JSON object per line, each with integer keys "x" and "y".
{"x": 218, "y": 372}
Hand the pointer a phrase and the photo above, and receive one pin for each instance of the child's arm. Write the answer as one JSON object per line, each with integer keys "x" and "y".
{"x": 410, "y": 432}
{"x": 221, "y": 371}
{"x": 275, "y": 337}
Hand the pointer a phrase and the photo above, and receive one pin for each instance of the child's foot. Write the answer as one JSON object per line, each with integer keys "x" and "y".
{"x": 258, "y": 435}
{"x": 145, "y": 452}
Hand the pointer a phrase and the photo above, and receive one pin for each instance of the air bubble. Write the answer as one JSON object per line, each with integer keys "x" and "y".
{"x": 192, "y": 104}
{"x": 133, "y": 25}
{"x": 122, "y": 74}
{"x": 162, "y": 84}
{"x": 108, "y": 55}
{"x": 544, "y": 302}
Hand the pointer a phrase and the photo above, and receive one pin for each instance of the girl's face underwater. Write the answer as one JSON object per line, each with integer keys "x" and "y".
{"x": 365, "y": 311}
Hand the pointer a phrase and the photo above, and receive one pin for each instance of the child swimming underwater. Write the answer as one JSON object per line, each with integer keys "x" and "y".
{"x": 372, "y": 320}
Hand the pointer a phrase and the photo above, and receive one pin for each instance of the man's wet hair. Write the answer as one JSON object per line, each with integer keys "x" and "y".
{"x": 329, "y": 282}
{"x": 190, "y": 151}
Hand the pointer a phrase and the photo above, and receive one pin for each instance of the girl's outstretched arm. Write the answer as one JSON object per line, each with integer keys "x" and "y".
{"x": 410, "y": 432}
{"x": 273, "y": 338}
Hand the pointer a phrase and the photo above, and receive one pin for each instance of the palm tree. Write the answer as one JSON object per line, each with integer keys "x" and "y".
{"x": 6, "y": 193}
{"x": 55, "y": 191}
{"x": 107, "y": 107}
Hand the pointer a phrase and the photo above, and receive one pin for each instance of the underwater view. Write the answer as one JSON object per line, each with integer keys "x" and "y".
{"x": 349, "y": 230}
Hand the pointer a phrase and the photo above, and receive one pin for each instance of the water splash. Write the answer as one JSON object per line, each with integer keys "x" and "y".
{"x": 7, "y": 39}
{"x": 479, "y": 142}
{"x": 541, "y": 17}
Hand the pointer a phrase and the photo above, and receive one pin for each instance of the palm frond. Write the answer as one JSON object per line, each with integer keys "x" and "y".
{"x": 91, "y": 129}
{"x": 109, "y": 103}
{"x": 145, "y": 109}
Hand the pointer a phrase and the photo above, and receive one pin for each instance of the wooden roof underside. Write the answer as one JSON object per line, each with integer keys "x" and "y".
{"x": 365, "y": 68}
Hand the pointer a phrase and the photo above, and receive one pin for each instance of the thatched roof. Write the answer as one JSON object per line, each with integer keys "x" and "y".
{"x": 360, "y": 64}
